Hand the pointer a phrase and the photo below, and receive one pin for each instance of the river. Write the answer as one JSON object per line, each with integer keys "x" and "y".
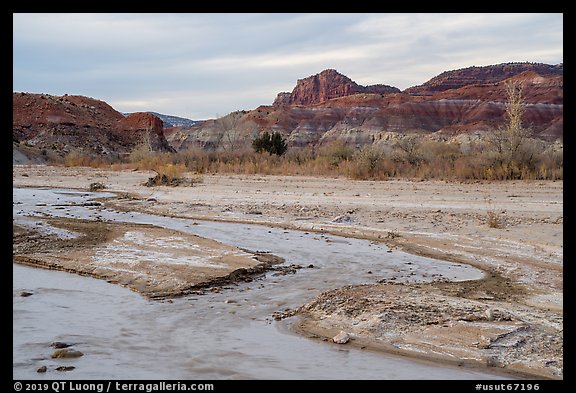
{"x": 225, "y": 335}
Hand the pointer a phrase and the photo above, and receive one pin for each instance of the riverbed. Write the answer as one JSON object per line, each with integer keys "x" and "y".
{"x": 228, "y": 333}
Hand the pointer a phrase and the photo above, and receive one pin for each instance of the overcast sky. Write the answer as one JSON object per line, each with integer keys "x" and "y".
{"x": 203, "y": 66}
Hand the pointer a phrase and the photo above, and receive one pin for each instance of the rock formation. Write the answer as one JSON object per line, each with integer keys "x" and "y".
{"x": 62, "y": 124}
{"x": 482, "y": 75}
{"x": 327, "y": 85}
{"x": 145, "y": 128}
{"x": 321, "y": 108}
{"x": 329, "y": 106}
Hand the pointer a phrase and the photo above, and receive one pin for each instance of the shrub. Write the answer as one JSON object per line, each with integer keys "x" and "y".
{"x": 336, "y": 152}
{"x": 168, "y": 175}
{"x": 493, "y": 220}
{"x": 140, "y": 153}
{"x": 366, "y": 163}
{"x": 96, "y": 187}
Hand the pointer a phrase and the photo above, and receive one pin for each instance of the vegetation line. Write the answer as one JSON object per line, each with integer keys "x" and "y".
{"x": 506, "y": 153}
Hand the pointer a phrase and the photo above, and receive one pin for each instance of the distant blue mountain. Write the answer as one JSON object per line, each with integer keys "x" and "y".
{"x": 173, "y": 121}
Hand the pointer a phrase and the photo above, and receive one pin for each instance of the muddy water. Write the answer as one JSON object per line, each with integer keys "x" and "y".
{"x": 224, "y": 335}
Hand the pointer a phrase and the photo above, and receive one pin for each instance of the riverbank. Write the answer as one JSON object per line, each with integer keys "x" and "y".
{"x": 512, "y": 230}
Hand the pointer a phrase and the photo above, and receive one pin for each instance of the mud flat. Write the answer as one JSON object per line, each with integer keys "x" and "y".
{"x": 156, "y": 262}
{"x": 512, "y": 319}
{"x": 428, "y": 321}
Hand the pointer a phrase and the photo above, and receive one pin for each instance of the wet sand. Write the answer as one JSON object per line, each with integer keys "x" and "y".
{"x": 156, "y": 262}
{"x": 512, "y": 319}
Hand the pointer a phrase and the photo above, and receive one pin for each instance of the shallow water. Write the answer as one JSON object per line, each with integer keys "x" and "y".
{"x": 225, "y": 335}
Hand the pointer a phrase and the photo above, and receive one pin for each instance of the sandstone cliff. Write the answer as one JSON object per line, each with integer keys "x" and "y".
{"x": 144, "y": 127}
{"x": 327, "y": 85}
{"x": 329, "y": 106}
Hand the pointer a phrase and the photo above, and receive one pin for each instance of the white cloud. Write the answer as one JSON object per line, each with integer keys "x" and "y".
{"x": 208, "y": 64}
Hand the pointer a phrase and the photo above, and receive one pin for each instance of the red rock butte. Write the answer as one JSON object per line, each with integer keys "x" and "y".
{"x": 329, "y": 106}
{"x": 327, "y": 85}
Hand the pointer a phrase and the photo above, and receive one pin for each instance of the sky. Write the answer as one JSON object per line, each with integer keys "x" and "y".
{"x": 201, "y": 66}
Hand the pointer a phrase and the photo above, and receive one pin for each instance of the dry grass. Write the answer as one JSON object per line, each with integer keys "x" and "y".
{"x": 493, "y": 220}
{"x": 170, "y": 175}
{"x": 430, "y": 160}
{"x": 96, "y": 187}
{"x": 77, "y": 158}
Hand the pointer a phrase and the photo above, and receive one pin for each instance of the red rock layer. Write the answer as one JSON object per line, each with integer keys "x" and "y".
{"x": 67, "y": 123}
{"x": 327, "y": 85}
{"x": 360, "y": 118}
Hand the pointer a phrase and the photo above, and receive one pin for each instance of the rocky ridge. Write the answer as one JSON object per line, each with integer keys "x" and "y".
{"x": 320, "y": 109}
{"x": 330, "y": 106}
{"x": 62, "y": 124}
{"x": 482, "y": 75}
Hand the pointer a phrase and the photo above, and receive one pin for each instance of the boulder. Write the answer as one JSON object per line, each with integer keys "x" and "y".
{"x": 341, "y": 338}
{"x": 66, "y": 353}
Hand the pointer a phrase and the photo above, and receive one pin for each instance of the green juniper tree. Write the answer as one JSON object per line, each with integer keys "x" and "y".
{"x": 272, "y": 143}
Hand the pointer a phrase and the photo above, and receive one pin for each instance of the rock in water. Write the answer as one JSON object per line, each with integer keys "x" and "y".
{"x": 42, "y": 369}
{"x": 65, "y": 368}
{"x": 66, "y": 353}
{"x": 59, "y": 345}
{"x": 341, "y": 338}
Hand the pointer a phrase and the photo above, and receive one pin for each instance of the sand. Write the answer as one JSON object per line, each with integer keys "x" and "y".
{"x": 513, "y": 230}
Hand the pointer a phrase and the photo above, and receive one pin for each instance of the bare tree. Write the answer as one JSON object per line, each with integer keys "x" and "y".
{"x": 508, "y": 141}
{"x": 143, "y": 150}
{"x": 409, "y": 145}
{"x": 227, "y": 133}
{"x": 146, "y": 141}
{"x": 368, "y": 160}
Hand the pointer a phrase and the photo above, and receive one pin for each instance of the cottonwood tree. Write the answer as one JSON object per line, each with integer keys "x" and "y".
{"x": 408, "y": 145}
{"x": 143, "y": 150}
{"x": 510, "y": 142}
{"x": 227, "y": 132}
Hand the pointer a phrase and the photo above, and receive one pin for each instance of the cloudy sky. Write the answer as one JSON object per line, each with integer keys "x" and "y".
{"x": 203, "y": 66}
